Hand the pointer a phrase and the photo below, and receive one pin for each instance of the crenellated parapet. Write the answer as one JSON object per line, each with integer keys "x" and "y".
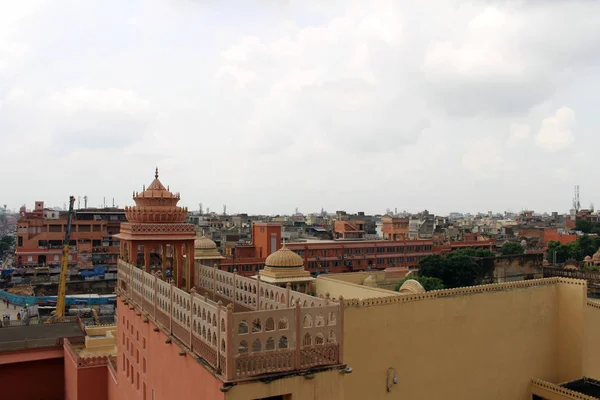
{"x": 463, "y": 291}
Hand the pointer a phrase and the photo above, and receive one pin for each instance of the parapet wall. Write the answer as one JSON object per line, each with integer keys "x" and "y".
{"x": 330, "y": 285}
{"x": 285, "y": 331}
{"x": 468, "y": 343}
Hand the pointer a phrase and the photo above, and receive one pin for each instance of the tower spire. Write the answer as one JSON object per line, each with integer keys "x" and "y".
{"x": 156, "y": 173}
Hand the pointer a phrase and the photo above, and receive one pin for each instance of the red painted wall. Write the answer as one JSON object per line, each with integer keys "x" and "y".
{"x": 261, "y": 238}
{"x": 551, "y": 234}
{"x": 33, "y": 380}
{"x": 168, "y": 374}
{"x": 87, "y": 383}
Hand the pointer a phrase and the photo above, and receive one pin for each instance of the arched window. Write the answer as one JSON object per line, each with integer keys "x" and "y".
{"x": 243, "y": 327}
{"x": 256, "y": 346}
{"x": 331, "y": 319}
{"x": 270, "y": 345}
{"x": 320, "y": 320}
{"x": 331, "y": 339}
{"x": 223, "y": 345}
{"x": 319, "y": 340}
{"x": 283, "y": 342}
{"x": 307, "y": 340}
{"x": 214, "y": 339}
{"x": 269, "y": 325}
{"x": 283, "y": 324}
{"x": 256, "y": 325}
{"x": 307, "y": 322}
{"x": 243, "y": 348}
{"x": 222, "y": 324}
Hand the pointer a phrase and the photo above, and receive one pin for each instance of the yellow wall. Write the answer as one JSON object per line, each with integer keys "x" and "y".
{"x": 591, "y": 339}
{"x": 348, "y": 290}
{"x": 357, "y": 277}
{"x": 327, "y": 385}
{"x": 484, "y": 342}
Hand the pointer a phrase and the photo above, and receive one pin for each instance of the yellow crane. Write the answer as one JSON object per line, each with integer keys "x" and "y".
{"x": 59, "y": 314}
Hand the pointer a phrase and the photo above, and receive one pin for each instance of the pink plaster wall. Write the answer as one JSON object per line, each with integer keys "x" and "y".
{"x": 167, "y": 374}
{"x": 33, "y": 380}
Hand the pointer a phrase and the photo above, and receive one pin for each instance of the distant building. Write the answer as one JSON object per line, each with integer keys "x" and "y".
{"x": 394, "y": 228}
{"x": 41, "y": 232}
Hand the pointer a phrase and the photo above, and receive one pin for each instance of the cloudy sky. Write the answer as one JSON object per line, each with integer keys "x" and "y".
{"x": 268, "y": 105}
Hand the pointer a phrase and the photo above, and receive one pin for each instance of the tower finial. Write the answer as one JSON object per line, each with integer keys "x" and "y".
{"x": 156, "y": 173}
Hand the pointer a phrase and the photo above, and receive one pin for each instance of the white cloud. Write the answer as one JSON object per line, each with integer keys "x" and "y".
{"x": 484, "y": 158}
{"x": 518, "y": 134}
{"x": 555, "y": 133}
{"x": 105, "y": 100}
{"x": 354, "y": 104}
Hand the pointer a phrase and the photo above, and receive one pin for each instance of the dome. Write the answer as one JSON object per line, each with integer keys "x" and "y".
{"x": 204, "y": 243}
{"x": 546, "y": 263}
{"x": 370, "y": 281}
{"x": 596, "y": 256}
{"x": 411, "y": 286}
{"x": 284, "y": 257}
{"x": 587, "y": 259}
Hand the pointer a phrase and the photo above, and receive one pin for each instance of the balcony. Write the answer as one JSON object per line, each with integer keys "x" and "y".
{"x": 279, "y": 330}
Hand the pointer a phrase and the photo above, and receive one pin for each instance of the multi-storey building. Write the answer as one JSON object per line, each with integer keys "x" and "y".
{"x": 41, "y": 232}
{"x": 351, "y": 230}
{"x": 336, "y": 256}
{"x": 394, "y": 228}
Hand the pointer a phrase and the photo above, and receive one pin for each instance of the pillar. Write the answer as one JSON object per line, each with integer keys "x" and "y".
{"x": 147, "y": 256}
{"x": 163, "y": 260}
{"x": 179, "y": 258}
{"x": 191, "y": 264}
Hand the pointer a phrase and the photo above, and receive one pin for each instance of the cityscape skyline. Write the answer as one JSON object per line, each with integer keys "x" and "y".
{"x": 268, "y": 107}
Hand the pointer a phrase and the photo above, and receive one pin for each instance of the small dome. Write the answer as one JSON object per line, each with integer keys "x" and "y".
{"x": 587, "y": 259}
{"x": 596, "y": 256}
{"x": 546, "y": 263}
{"x": 204, "y": 243}
{"x": 370, "y": 281}
{"x": 411, "y": 286}
{"x": 284, "y": 257}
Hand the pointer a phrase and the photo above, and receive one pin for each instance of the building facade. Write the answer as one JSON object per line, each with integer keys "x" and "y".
{"x": 40, "y": 236}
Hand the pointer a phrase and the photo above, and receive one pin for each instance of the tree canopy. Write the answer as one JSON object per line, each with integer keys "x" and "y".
{"x": 587, "y": 226}
{"x": 427, "y": 282}
{"x": 455, "y": 270}
{"x": 512, "y": 249}
{"x": 584, "y": 246}
{"x": 6, "y": 242}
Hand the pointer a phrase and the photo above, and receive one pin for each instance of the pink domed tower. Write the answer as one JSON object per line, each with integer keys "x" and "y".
{"x": 156, "y": 237}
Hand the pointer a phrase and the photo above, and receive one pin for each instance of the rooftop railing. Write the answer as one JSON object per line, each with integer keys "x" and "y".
{"x": 282, "y": 331}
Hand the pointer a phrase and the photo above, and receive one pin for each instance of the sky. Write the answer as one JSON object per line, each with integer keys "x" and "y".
{"x": 269, "y": 105}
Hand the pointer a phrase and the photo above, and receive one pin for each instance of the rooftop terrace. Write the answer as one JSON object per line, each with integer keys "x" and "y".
{"x": 38, "y": 336}
{"x": 242, "y": 328}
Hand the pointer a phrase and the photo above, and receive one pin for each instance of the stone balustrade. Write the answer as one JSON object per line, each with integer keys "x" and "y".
{"x": 281, "y": 331}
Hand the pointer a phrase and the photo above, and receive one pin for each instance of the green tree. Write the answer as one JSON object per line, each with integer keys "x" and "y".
{"x": 6, "y": 243}
{"x": 481, "y": 253}
{"x": 454, "y": 270}
{"x": 433, "y": 266}
{"x": 427, "y": 282}
{"x": 511, "y": 249}
{"x": 584, "y": 226}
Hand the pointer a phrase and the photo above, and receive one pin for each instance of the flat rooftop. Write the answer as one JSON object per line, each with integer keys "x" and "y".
{"x": 587, "y": 386}
{"x": 37, "y": 336}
